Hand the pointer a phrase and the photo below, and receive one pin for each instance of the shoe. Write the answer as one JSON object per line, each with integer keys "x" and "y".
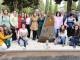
{"x": 74, "y": 46}
{"x": 8, "y": 46}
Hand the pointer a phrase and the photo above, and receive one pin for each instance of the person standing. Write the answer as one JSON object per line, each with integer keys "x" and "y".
{"x": 57, "y": 23}
{"x": 28, "y": 23}
{"x": 34, "y": 26}
{"x": 69, "y": 23}
{"x": 41, "y": 22}
{"x": 14, "y": 25}
{"x": 6, "y": 18}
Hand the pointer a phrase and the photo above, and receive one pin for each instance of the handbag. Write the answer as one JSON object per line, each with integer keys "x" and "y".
{"x": 57, "y": 40}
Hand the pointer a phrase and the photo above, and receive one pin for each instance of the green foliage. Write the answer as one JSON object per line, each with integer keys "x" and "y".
{"x": 41, "y": 6}
{"x": 78, "y": 7}
{"x": 56, "y": 8}
{"x": 74, "y": 5}
{"x": 19, "y": 4}
{"x": 47, "y": 6}
{"x": 65, "y": 6}
{"x": 28, "y": 10}
{"x": 50, "y": 7}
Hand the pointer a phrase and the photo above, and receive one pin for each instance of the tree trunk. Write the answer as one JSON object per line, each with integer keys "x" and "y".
{"x": 69, "y": 5}
{"x": 15, "y": 6}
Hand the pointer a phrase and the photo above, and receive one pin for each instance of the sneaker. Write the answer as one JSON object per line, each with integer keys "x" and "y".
{"x": 74, "y": 46}
{"x": 8, "y": 46}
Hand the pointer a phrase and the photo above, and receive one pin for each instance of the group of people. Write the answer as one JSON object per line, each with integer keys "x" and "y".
{"x": 67, "y": 28}
{"x": 18, "y": 26}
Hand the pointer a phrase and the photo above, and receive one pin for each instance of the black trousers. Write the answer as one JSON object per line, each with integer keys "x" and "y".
{"x": 29, "y": 30}
{"x": 14, "y": 37}
{"x": 35, "y": 34}
{"x": 69, "y": 31}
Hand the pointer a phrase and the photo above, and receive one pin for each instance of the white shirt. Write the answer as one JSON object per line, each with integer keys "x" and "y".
{"x": 28, "y": 21}
{"x": 23, "y": 31}
{"x": 14, "y": 20}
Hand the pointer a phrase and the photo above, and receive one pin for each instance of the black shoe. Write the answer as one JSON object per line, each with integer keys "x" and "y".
{"x": 33, "y": 38}
{"x": 8, "y": 46}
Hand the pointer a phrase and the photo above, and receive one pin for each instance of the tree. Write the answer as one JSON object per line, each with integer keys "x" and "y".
{"x": 78, "y": 7}
{"x": 74, "y": 5}
{"x": 41, "y": 6}
{"x": 56, "y": 8}
{"x": 47, "y": 6}
{"x": 50, "y": 6}
{"x": 69, "y": 4}
{"x": 19, "y": 4}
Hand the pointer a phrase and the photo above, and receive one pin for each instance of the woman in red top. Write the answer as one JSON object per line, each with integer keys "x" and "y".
{"x": 19, "y": 21}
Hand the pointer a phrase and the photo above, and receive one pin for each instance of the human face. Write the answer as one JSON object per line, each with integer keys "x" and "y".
{"x": 73, "y": 11}
{"x": 76, "y": 27}
{"x": 58, "y": 14}
{"x": 22, "y": 15}
{"x": 5, "y": 12}
{"x": 23, "y": 26}
{"x": 42, "y": 13}
{"x": 62, "y": 27}
{"x": 14, "y": 13}
{"x": 34, "y": 14}
{"x": 1, "y": 29}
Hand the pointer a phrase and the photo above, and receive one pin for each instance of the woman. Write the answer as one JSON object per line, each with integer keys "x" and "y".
{"x": 7, "y": 31}
{"x": 69, "y": 23}
{"x": 28, "y": 23}
{"x": 19, "y": 21}
{"x": 23, "y": 33}
{"x": 2, "y": 38}
{"x": 34, "y": 26}
{"x": 63, "y": 34}
{"x": 23, "y": 19}
{"x": 40, "y": 23}
{"x": 14, "y": 24}
{"x": 6, "y": 18}
{"x": 74, "y": 39}
{"x": 57, "y": 23}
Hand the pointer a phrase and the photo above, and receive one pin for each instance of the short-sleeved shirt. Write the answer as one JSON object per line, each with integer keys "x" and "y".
{"x": 23, "y": 31}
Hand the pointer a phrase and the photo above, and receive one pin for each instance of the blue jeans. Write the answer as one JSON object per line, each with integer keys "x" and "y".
{"x": 56, "y": 31}
{"x": 63, "y": 39}
{"x": 74, "y": 40}
{"x": 21, "y": 42}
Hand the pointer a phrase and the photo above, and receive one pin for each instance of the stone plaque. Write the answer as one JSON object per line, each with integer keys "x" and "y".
{"x": 47, "y": 32}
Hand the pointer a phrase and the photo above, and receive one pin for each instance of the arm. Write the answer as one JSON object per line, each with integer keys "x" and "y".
{"x": 65, "y": 23}
{"x": 2, "y": 37}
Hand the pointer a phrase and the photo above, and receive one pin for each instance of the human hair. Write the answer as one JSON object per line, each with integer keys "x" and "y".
{"x": 78, "y": 27}
{"x": 63, "y": 29}
{"x": 4, "y": 11}
{"x": 59, "y": 13}
{"x": 70, "y": 14}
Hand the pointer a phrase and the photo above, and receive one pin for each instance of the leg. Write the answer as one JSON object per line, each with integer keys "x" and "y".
{"x": 55, "y": 32}
{"x": 34, "y": 35}
{"x": 63, "y": 38}
{"x": 5, "y": 41}
{"x": 14, "y": 37}
{"x": 8, "y": 41}
{"x": 21, "y": 42}
{"x": 3, "y": 47}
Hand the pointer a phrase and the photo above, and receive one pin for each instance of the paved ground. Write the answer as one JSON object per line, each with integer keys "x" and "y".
{"x": 37, "y": 55}
{"x": 34, "y": 45}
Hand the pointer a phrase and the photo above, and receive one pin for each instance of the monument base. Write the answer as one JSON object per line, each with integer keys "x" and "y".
{"x": 44, "y": 39}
